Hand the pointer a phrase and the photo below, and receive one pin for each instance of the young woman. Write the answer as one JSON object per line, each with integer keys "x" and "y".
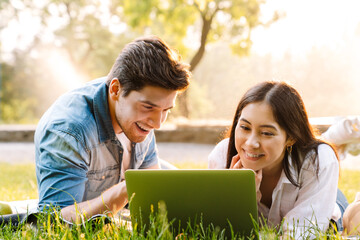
{"x": 296, "y": 173}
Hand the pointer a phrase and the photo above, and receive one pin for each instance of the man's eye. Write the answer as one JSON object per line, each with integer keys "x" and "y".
{"x": 147, "y": 107}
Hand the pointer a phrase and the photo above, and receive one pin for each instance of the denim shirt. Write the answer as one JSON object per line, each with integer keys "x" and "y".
{"x": 77, "y": 153}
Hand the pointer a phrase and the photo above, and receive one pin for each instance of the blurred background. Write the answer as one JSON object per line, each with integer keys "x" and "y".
{"x": 51, "y": 46}
{"x": 48, "y": 47}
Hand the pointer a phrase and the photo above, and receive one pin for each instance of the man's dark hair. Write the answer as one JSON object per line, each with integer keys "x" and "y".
{"x": 149, "y": 61}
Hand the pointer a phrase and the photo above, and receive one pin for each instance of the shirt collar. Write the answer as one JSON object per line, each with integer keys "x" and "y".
{"x": 102, "y": 114}
{"x": 283, "y": 178}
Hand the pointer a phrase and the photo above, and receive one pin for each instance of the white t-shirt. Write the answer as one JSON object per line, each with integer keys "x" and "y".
{"x": 314, "y": 201}
{"x": 126, "y": 144}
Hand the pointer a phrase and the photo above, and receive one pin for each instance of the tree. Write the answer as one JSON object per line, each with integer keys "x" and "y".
{"x": 85, "y": 34}
{"x": 82, "y": 30}
{"x": 211, "y": 20}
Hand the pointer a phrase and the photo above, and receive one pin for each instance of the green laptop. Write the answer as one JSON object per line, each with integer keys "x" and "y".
{"x": 217, "y": 197}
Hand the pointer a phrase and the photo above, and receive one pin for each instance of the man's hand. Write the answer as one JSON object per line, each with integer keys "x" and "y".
{"x": 109, "y": 202}
{"x": 236, "y": 164}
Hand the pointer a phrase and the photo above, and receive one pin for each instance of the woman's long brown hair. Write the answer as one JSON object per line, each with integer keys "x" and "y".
{"x": 289, "y": 112}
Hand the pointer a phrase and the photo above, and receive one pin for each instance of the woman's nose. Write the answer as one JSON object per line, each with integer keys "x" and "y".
{"x": 253, "y": 141}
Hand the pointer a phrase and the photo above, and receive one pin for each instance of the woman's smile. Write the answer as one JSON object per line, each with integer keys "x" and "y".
{"x": 253, "y": 156}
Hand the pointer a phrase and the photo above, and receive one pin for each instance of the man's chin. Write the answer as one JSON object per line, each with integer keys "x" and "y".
{"x": 137, "y": 139}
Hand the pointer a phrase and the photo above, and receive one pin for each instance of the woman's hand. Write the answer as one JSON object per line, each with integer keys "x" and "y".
{"x": 258, "y": 179}
{"x": 236, "y": 164}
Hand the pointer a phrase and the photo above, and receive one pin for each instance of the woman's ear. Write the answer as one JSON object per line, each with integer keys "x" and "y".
{"x": 290, "y": 141}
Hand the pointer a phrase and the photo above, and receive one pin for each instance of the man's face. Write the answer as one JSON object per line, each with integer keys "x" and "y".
{"x": 141, "y": 111}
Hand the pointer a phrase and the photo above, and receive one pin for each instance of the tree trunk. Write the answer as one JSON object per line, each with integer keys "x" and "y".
{"x": 183, "y": 98}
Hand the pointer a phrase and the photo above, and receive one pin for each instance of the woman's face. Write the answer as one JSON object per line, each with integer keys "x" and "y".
{"x": 259, "y": 140}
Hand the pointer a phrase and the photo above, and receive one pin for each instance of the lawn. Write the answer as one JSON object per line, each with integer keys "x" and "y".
{"x": 18, "y": 182}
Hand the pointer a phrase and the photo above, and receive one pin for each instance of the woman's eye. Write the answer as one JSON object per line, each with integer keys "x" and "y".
{"x": 268, "y": 133}
{"x": 243, "y": 127}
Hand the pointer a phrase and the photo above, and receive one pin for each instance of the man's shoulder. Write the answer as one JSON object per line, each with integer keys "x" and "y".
{"x": 86, "y": 92}
{"x": 75, "y": 108}
{"x": 83, "y": 131}
{"x": 72, "y": 113}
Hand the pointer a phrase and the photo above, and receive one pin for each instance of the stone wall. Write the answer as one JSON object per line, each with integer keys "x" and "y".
{"x": 196, "y": 134}
{"x": 193, "y": 133}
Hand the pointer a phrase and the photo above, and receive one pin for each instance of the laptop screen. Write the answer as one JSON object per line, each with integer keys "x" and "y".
{"x": 217, "y": 197}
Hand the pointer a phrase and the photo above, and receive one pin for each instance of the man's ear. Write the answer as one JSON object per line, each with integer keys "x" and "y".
{"x": 115, "y": 88}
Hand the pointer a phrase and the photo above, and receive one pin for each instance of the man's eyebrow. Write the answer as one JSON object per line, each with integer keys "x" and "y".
{"x": 154, "y": 105}
{"x": 264, "y": 126}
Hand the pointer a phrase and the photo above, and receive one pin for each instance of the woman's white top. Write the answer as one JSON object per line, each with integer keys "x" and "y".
{"x": 303, "y": 208}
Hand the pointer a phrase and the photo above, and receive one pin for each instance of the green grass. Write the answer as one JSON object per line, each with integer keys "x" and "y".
{"x": 349, "y": 183}
{"x": 18, "y": 182}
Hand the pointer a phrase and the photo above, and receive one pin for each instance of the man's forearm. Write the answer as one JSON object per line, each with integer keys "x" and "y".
{"x": 109, "y": 202}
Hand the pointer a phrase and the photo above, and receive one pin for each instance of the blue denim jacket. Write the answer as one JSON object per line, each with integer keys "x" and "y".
{"x": 78, "y": 155}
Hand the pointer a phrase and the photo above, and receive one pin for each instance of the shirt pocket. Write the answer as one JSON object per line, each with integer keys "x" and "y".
{"x": 101, "y": 180}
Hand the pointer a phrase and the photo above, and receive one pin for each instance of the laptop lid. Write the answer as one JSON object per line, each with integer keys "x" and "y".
{"x": 216, "y": 196}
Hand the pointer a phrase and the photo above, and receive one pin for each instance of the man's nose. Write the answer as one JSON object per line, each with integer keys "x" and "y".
{"x": 156, "y": 120}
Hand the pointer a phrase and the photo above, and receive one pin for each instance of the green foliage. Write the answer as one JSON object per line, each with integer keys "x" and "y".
{"x": 17, "y": 101}
{"x": 85, "y": 32}
{"x": 86, "y": 36}
{"x": 28, "y": 83}
{"x": 206, "y": 20}
{"x": 18, "y": 110}
{"x": 174, "y": 19}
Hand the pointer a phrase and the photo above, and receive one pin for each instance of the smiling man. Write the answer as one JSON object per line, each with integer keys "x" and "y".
{"x": 90, "y": 136}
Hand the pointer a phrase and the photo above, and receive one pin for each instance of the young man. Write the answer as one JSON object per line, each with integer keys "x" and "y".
{"x": 91, "y": 135}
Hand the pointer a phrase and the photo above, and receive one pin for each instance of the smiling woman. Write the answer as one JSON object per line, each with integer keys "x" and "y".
{"x": 296, "y": 174}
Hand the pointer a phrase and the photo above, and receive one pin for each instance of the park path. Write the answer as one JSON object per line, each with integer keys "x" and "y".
{"x": 17, "y": 152}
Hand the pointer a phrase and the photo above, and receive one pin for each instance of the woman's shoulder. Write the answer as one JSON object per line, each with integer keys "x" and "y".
{"x": 325, "y": 151}
{"x": 217, "y": 157}
{"x": 223, "y": 144}
{"x": 326, "y": 156}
